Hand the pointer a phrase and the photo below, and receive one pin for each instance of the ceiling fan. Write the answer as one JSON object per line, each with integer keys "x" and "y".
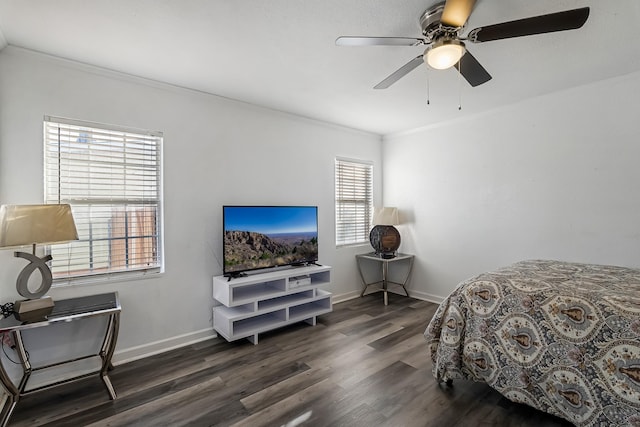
{"x": 442, "y": 26}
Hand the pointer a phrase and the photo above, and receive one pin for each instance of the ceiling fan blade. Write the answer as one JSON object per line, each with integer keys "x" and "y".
{"x": 560, "y": 21}
{"x": 471, "y": 70}
{"x": 400, "y": 73}
{"x": 377, "y": 41}
{"x": 456, "y": 12}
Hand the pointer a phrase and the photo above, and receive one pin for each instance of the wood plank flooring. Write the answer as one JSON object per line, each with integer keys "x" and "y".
{"x": 364, "y": 364}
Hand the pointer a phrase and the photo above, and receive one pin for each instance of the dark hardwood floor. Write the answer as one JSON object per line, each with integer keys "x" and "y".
{"x": 364, "y": 364}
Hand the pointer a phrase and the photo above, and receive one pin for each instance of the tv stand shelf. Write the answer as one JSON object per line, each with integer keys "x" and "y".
{"x": 249, "y": 305}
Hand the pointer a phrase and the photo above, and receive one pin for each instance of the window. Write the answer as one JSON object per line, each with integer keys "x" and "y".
{"x": 354, "y": 201}
{"x": 111, "y": 177}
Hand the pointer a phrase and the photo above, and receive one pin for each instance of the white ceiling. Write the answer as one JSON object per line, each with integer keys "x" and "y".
{"x": 281, "y": 54}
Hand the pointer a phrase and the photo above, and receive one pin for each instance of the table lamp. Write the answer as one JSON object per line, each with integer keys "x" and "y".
{"x": 384, "y": 237}
{"x": 22, "y": 225}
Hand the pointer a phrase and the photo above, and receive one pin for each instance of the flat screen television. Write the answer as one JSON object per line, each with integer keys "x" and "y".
{"x": 258, "y": 237}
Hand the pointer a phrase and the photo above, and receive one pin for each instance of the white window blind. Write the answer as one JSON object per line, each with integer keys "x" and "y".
{"x": 354, "y": 201}
{"x": 111, "y": 177}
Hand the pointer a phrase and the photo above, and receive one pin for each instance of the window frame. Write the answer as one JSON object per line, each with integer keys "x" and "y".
{"x": 146, "y": 205}
{"x": 362, "y": 195}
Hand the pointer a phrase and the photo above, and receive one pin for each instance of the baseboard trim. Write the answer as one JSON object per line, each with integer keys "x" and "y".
{"x": 336, "y": 299}
{"x": 161, "y": 346}
{"x": 436, "y": 299}
{"x": 157, "y": 347}
{"x": 168, "y": 344}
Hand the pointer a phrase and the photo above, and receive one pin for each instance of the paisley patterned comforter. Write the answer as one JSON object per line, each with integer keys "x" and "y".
{"x": 560, "y": 337}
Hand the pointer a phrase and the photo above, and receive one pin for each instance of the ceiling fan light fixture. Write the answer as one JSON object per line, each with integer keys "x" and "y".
{"x": 444, "y": 53}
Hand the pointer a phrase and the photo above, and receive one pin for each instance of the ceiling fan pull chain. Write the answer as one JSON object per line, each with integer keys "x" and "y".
{"x": 428, "y": 94}
{"x": 459, "y": 87}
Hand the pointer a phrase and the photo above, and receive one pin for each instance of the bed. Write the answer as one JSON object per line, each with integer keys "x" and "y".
{"x": 560, "y": 337}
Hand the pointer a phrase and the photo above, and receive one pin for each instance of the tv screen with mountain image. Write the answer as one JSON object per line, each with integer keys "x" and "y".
{"x": 257, "y": 237}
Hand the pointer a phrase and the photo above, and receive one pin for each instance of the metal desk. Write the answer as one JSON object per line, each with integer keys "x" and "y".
{"x": 64, "y": 311}
{"x": 400, "y": 259}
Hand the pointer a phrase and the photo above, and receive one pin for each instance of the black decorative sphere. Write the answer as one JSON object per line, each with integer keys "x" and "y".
{"x": 385, "y": 240}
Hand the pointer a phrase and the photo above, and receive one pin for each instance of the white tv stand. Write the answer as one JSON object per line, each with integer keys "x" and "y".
{"x": 261, "y": 302}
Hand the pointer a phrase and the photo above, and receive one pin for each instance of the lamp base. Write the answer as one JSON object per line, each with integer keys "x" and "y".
{"x": 387, "y": 255}
{"x": 33, "y": 310}
{"x": 385, "y": 240}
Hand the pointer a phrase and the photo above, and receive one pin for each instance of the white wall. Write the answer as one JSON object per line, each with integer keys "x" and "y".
{"x": 216, "y": 151}
{"x": 556, "y": 177}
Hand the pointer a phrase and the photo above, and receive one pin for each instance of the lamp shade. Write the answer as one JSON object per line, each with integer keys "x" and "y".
{"x": 22, "y": 225}
{"x": 385, "y": 216}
